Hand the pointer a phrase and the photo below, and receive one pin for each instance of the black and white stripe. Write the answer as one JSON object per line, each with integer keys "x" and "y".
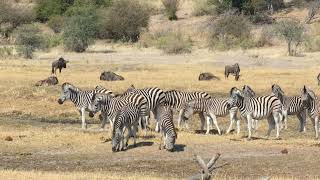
{"x": 165, "y": 116}
{"x": 292, "y": 105}
{"x": 212, "y": 108}
{"x": 154, "y": 96}
{"x": 109, "y": 106}
{"x": 311, "y": 102}
{"x": 258, "y": 108}
{"x": 81, "y": 99}
{"x": 126, "y": 118}
{"x": 178, "y": 99}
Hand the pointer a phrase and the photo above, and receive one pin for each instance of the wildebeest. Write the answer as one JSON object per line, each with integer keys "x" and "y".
{"x": 110, "y": 76}
{"x": 58, "y": 64}
{"x": 207, "y": 76}
{"x": 50, "y": 81}
{"x": 233, "y": 69}
{"x": 318, "y": 78}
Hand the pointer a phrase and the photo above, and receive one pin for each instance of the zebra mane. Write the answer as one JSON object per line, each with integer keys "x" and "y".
{"x": 311, "y": 93}
{"x": 71, "y": 87}
{"x": 248, "y": 91}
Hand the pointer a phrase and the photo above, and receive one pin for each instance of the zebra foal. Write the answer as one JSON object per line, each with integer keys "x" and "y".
{"x": 212, "y": 108}
{"x": 167, "y": 130}
{"x": 126, "y": 118}
{"x": 258, "y": 108}
{"x": 81, "y": 99}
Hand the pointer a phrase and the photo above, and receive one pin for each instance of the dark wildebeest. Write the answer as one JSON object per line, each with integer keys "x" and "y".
{"x": 318, "y": 78}
{"x": 207, "y": 76}
{"x": 234, "y": 69}
{"x": 50, "y": 81}
{"x": 110, "y": 76}
{"x": 59, "y": 64}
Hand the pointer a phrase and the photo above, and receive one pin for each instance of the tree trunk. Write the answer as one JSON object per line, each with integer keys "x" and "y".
{"x": 289, "y": 48}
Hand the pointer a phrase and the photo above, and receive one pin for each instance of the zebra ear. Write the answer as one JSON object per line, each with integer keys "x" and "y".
{"x": 232, "y": 90}
{"x": 304, "y": 90}
{"x": 132, "y": 86}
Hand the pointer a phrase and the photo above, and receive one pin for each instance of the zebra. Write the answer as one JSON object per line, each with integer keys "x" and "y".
{"x": 318, "y": 79}
{"x": 109, "y": 106}
{"x": 292, "y": 105}
{"x": 311, "y": 102}
{"x": 178, "y": 99}
{"x": 233, "y": 69}
{"x": 154, "y": 96}
{"x": 126, "y": 118}
{"x": 258, "y": 108}
{"x": 249, "y": 92}
{"x": 165, "y": 116}
{"x": 81, "y": 99}
{"x": 212, "y": 108}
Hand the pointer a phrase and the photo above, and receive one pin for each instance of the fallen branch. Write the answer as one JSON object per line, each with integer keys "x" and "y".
{"x": 207, "y": 171}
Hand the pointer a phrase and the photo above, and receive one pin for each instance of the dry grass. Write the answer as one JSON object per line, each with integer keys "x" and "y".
{"x": 48, "y": 134}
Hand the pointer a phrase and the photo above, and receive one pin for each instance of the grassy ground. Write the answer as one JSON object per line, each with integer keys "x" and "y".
{"x": 48, "y": 143}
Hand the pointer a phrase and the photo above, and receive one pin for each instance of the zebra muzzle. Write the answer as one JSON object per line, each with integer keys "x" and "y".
{"x": 60, "y": 101}
{"x": 91, "y": 114}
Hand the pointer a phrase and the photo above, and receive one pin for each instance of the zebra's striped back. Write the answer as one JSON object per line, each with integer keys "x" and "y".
{"x": 178, "y": 99}
{"x": 154, "y": 96}
{"x": 260, "y": 107}
{"x": 218, "y": 106}
{"x": 293, "y": 104}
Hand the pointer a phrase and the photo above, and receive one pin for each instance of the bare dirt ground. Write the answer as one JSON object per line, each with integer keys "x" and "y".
{"x": 48, "y": 143}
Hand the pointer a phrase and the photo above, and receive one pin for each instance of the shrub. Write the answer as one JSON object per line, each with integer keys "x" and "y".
{"x": 56, "y": 23}
{"x": 312, "y": 44}
{"x": 248, "y": 7}
{"x": 292, "y": 32}
{"x": 48, "y": 8}
{"x": 53, "y": 40}
{"x": 265, "y": 38}
{"x": 203, "y": 7}
{"x": 174, "y": 43}
{"x": 6, "y": 52}
{"x": 125, "y": 20}
{"x": 171, "y": 8}
{"x": 13, "y": 16}
{"x": 229, "y": 31}
{"x": 80, "y": 29}
{"x": 28, "y": 39}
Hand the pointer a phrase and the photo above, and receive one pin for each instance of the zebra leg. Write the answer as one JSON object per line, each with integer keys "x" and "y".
{"x": 271, "y": 124}
{"x": 249, "y": 124}
{"x": 134, "y": 134}
{"x": 238, "y": 126}
{"x": 285, "y": 119}
{"x": 232, "y": 118}
{"x": 155, "y": 115}
{"x": 180, "y": 118}
{"x": 316, "y": 123}
{"x": 214, "y": 119}
{"x": 202, "y": 121}
{"x": 278, "y": 123}
{"x": 302, "y": 118}
{"x": 160, "y": 143}
{"x": 83, "y": 118}
{"x": 208, "y": 124}
{"x": 104, "y": 120}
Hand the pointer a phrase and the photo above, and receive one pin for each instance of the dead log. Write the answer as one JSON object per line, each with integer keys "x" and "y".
{"x": 208, "y": 170}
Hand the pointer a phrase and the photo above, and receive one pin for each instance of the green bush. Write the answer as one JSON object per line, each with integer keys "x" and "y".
{"x": 171, "y": 8}
{"x": 229, "y": 31}
{"x": 80, "y": 29}
{"x": 56, "y": 23}
{"x": 48, "y": 8}
{"x": 292, "y": 31}
{"x": 125, "y": 20}
{"x": 312, "y": 44}
{"x": 248, "y": 7}
{"x": 6, "y": 52}
{"x": 53, "y": 40}
{"x": 28, "y": 39}
{"x": 203, "y": 7}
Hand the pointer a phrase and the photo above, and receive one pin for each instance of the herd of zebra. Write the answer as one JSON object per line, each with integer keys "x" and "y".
{"x": 131, "y": 110}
